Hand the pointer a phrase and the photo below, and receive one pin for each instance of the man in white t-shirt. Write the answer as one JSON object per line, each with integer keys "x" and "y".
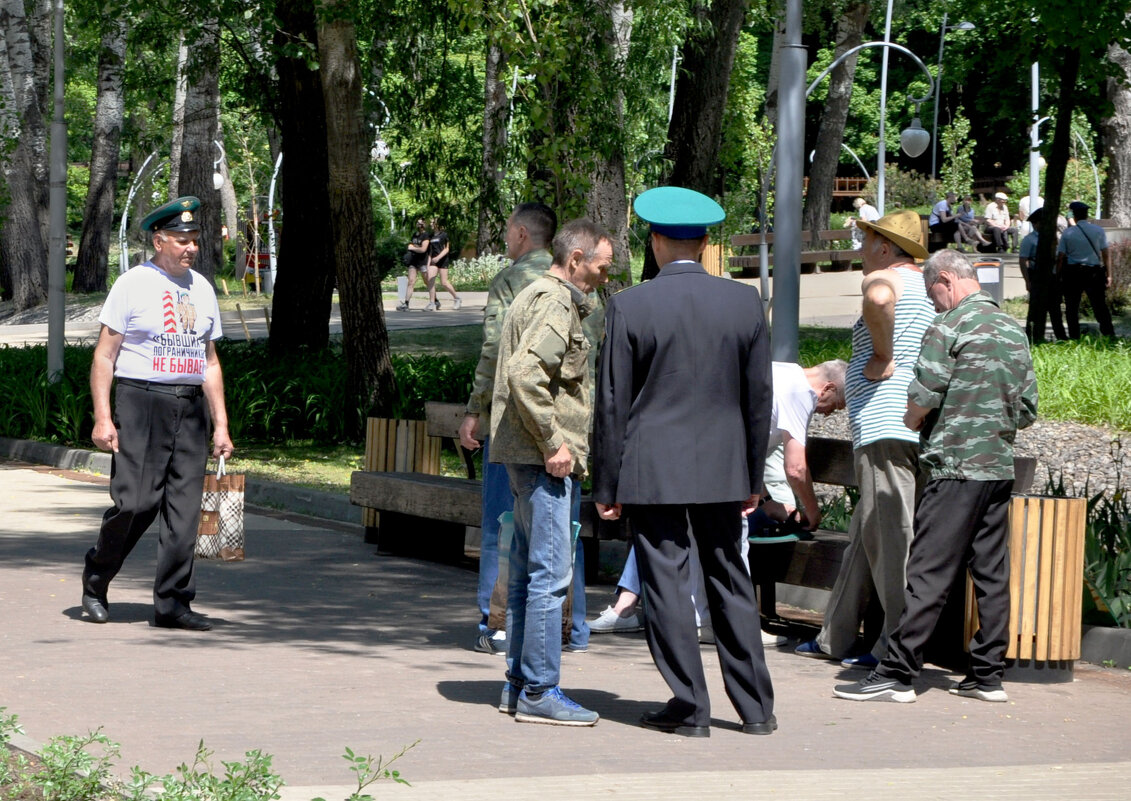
{"x": 159, "y": 327}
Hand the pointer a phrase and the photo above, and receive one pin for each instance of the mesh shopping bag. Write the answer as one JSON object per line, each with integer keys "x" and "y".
{"x": 221, "y": 532}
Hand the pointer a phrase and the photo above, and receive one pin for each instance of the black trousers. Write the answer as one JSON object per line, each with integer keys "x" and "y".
{"x": 1078, "y": 279}
{"x": 1044, "y": 303}
{"x": 158, "y": 470}
{"x": 1002, "y": 238}
{"x": 663, "y": 543}
{"x": 959, "y": 524}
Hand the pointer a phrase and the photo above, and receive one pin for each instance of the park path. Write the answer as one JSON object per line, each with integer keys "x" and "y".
{"x": 321, "y": 643}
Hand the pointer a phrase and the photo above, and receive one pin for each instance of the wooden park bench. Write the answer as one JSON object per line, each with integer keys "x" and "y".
{"x": 425, "y": 515}
{"x": 815, "y": 250}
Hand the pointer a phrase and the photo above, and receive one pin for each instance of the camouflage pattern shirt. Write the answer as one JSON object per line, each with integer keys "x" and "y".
{"x": 542, "y": 380}
{"x": 976, "y": 375}
{"x": 506, "y": 284}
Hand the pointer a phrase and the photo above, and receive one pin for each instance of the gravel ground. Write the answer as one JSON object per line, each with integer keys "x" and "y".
{"x": 1088, "y": 458}
{"x": 75, "y": 312}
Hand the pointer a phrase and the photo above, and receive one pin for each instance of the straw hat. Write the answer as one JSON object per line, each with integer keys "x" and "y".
{"x": 904, "y": 228}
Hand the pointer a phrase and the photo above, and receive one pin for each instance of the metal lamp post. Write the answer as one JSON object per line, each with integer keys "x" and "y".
{"x": 790, "y": 166}
{"x": 962, "y": 26}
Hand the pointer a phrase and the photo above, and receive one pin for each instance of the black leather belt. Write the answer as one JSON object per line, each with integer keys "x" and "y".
{"x": 179, "y": 390}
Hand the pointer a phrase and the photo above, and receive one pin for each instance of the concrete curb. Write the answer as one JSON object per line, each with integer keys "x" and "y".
{"x": 268, "y": 494}
{"x": 1101, "y": 646}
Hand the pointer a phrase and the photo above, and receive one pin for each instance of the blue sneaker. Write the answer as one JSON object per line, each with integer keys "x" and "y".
{"x": 508, "y": 703}
{"x": 553, "y": 707}
{"x": 810, "y": 648}
{"x": 862, "y": 662}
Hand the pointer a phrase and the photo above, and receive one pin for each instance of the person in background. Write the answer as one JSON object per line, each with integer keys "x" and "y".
{"x": 999, "y": 224}
{"x": 967, "y": 226}
{"x": 942, "y": 219}
{"x": 439, "y": 248}
{"x": 416, "y": 257}
{"x": 864, "y": 211}
{"x": 1083, "y": 264}
{"x": 1043, "y": 287}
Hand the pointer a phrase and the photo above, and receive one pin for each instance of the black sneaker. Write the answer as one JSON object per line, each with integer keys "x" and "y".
{"x": 970, "y": 687}
{"x": 876, "y": 688}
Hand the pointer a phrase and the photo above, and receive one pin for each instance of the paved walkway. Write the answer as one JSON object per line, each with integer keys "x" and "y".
{"x": 321, "y": 644}
{"x": 830, "y": 299}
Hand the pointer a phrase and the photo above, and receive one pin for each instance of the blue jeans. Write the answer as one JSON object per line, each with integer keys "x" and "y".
{"x": 497, "y": 499}
{"x": 541, "y": 567}
{"x": 579, "y": 629}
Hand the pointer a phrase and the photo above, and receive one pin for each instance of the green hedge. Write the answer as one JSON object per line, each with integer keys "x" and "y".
{"x": 269, "y": 399}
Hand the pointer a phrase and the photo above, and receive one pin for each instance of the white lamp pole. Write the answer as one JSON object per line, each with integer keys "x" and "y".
{"x": 881, "y": 148}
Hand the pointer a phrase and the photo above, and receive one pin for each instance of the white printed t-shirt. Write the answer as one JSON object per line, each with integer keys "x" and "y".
{"x": 165, "y": 322}
{"x": 794, "y": 404}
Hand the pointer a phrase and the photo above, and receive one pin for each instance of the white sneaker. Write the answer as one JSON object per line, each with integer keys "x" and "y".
{"x": 403, "y": 306}
{"x": 773, "y": 640}
{"x": 431, "y": 306}
{"x": 457, "y": 303}
{"x": 609, "y": 622}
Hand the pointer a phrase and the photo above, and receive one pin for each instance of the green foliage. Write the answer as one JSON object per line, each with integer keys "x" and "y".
{"x": 1079, "y": 183}
{"x": 250, "y": 780}
{"x": 368, "y": 770}
{"x": 904, "y": 190}
{"x": 9, "y": 725}
{"x": 78, "y": 179}
{"x": 748, "y": 141}
{"x": 77, "y": 768}
{"x": 958, "y": 156}
{"x": 475, "y": 274}
{"x": 268, "y": 399}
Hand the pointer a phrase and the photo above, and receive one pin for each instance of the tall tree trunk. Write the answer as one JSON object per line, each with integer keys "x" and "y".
{"x": 304, "y": 281}
{"x": 830, "y": 135}
{"x": 370, "y": 380}
{"x": 696, "y": 128}
{"x": 492, "y": 211}
{"x": 24, "y": 168}
{"x": 1068, "y": 71}
{"x": 202, "y": 102}
{"x": 109, "y": 113}
{"x": 176, "y": 144}
{"x": 228, "y": 210}
{"x": 1117, "y": 133}
{"x": 606, "y": 202}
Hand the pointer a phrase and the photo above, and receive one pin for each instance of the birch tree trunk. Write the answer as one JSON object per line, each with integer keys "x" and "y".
{"x": 198, "y": 151}
{"x": 177, "y": 142}
{"x": 370, "y": 380}
{"x": 492, "y": 212}
{"x": 830, "y": 135}
{"x": 23, "y": 167}
{"x": 1117, "y": 133}
{"x": 109, "y": 113}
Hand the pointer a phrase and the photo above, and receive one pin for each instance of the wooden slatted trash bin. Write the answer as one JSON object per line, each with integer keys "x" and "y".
{"x": 1046, "y": 576}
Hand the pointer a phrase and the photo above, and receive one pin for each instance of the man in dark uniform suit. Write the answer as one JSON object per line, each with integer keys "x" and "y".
{"x": 684, "y": 396}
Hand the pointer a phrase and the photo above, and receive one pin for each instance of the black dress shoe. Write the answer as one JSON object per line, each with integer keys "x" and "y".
{"x": 765, "y": 727}
{"x": 96, "y": 608}
{"x": 657, "y": 722}
{"x": 189, "y": 620}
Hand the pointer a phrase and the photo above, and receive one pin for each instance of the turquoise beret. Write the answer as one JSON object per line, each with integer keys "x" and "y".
{"x": 677, "y": 212}
{"x": 176, "y": 215}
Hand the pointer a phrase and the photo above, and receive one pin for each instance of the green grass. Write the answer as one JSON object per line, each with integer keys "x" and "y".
{"x": 1088, "y": 381}
{"x": 459, "y": 342}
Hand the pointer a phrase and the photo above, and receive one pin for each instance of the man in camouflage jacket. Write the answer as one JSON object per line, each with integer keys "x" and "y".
{"x": 973, "y": 388}
{"x": 540, "y": 421}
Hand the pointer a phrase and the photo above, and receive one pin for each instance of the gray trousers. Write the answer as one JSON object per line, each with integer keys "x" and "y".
{"x": 883, "y": 524}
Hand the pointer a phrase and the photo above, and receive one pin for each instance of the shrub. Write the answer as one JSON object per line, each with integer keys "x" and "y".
{"x": 269, "y": 400}
{"x": 904, "y": 190}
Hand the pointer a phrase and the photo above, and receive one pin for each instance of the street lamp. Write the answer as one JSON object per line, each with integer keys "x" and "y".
{"x": 962, "y": 26}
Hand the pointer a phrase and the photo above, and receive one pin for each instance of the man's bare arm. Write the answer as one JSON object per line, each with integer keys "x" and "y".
{"x": 881, "y": 291}
{"x": 105, "y": 434}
